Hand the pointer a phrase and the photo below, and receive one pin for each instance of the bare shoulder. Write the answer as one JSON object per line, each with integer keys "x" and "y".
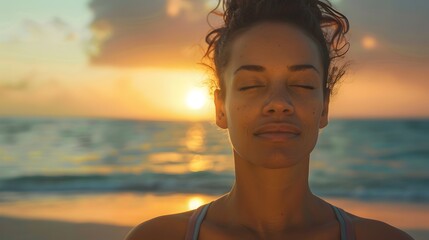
{"x": 164, "y": 227}
{"x": 367, "y": 229}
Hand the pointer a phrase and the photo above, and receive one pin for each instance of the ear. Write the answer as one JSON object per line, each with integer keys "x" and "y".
{"x": 324, "y": 118}
{"x": 220, "y": 110}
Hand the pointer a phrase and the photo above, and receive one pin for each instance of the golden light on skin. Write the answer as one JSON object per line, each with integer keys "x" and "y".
{"x": 195, "y": 202}
{"x": 196, "y": 98}
{"x": 369, "y": 42}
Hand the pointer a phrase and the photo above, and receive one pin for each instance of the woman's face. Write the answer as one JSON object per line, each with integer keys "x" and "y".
{"x": 274, "y": 105}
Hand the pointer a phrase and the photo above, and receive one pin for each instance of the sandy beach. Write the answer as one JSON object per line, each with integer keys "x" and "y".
{"x": 111, "y": 216}
{"x": 36, "y": 229}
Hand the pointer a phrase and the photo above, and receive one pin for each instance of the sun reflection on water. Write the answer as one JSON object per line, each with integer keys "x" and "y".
{"x": 194, "y": 140}
{"x": 198, "y": 163}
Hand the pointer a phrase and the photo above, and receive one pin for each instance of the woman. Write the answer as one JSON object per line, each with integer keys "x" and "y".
{"x": 275, "y": 66}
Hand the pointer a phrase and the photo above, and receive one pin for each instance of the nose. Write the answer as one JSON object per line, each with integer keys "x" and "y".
{"x": 279, "y": 102}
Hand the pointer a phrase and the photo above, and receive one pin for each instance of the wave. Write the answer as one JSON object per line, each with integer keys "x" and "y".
{"x": 212, "y": 183}
{"x": 366, "y": 159}
{"x": 198, "y": 182}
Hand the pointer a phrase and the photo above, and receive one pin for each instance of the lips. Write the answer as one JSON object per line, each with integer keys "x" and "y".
{"x": 277, "y": 131}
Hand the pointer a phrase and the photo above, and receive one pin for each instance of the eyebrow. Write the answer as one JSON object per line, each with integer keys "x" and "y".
{"x": 253, "y": 68}
{"x": 302, "y": 67}
{"x": 292, "y": 68}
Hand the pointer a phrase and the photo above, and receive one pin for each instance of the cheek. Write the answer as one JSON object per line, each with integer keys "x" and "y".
{"x": 314, "y": 102}
{"x": 239, "y": 115}
{"x": 237, "y": 110}
{"x": 311, "y": 110}
{"x": 317, "y": 112}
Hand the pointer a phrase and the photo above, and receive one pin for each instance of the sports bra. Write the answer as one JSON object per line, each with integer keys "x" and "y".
{"x": 194, "y": 224}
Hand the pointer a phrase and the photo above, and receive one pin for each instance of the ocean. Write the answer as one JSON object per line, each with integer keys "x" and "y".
{"x": 386, "y": 160}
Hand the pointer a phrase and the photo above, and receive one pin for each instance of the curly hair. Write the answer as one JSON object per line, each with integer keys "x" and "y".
{"x": 325, "y": 25}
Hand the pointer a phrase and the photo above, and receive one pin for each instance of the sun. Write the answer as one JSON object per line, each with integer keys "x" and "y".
{"x": 195, "y": 202}
{"x": 196, "y": 98}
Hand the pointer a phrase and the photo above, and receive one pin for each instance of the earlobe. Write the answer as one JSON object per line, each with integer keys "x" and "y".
{"x": 220, "y": 110}
{"x": 324, "y": 118}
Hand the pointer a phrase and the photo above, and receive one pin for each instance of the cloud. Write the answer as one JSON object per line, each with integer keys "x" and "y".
{"x": 64, "y": 29}
{"x": 143, "y": 33}
{"x": 399, "y": 27}
{"x": 23, "y": 83}
{"x": 32, "y": 29}
{"x": 29, "y": 30}
{"x": 191, "y": 10}
{"x": 134, "y": 33}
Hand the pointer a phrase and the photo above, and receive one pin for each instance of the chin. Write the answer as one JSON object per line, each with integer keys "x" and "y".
{"x": 277, "y": 161}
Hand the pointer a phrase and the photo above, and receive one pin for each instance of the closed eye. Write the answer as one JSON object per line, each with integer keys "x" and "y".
{"x": 250, "y": 87}
{"x": 304, "y": 86}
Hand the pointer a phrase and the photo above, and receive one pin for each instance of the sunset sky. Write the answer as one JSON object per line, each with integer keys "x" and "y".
{"x": 138, "y": 59}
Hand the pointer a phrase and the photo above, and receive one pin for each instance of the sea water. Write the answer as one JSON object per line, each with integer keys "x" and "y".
{"x": 385, "y": 160}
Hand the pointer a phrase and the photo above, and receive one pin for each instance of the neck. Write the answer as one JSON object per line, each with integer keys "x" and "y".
{"x": 267, "y": 200}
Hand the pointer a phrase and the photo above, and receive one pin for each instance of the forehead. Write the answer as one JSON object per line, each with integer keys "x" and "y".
{"x": 275, "y": 46}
